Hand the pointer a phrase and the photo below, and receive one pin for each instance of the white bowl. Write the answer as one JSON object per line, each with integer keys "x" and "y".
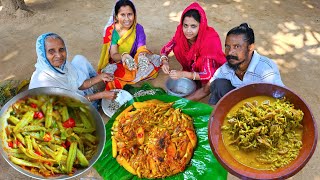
{"x": 122, "y": 97}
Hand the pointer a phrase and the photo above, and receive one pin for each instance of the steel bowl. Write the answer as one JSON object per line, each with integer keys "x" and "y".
{"x": 100, "y": 127}
{"x": 309, "y": 137}
{"x": 180, "y": 87}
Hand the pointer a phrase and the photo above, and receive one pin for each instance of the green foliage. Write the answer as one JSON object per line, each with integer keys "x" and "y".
{"x": 9, "y": 88}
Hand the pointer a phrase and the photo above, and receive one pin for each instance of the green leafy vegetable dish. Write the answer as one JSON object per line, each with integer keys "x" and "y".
{"x": 49, "y": 135}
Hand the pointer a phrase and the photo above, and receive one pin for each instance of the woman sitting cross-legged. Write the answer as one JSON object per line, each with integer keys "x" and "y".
{"x": 196, "y": 46}
{"x": 124, "y": 53}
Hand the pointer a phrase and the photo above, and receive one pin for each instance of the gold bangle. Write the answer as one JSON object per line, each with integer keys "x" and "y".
{"x": 123, "y": 54}
{"x": 194, "y": 75}
{"x": 88, "y": 99}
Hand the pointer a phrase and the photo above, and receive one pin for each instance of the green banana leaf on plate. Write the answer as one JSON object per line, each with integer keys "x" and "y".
{"x": 203, "y": 164}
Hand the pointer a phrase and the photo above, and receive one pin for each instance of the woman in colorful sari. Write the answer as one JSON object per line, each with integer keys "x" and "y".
{"x": 124, "y": 53}
{"x": 196, "y": 46}
{"x": 54, "y": 70}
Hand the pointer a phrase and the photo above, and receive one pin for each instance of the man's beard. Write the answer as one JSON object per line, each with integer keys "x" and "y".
{"x": 233, "y": 66}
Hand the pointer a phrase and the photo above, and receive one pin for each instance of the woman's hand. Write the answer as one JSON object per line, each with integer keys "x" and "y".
{"x": 165, "y": 65}
{"x": 142, "y": 54}
{"x": 109, "y": 95}
{"x": 143, "y": 62}
{"x": 106, "y": 77}
{"x": 102, "y": 95}
{"x": 124, "y": 56}
{"x": 176, "y": 74}
{"x": 129, "y": 62}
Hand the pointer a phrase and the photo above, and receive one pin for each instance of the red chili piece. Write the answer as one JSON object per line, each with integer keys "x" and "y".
{"x": 10, "y": 144}
{"x": 38, "y": 115}
{"x": 70, "y": 123}
{"x": 66, "y": 144}
{"x": 47, "y": 137}
{"x": 37, "y": 152}
{"x": 33, "y": 105}
{"x": 139, "y": 135}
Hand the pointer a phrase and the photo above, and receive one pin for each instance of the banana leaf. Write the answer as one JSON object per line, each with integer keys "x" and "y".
{"x": 145, "y": 89}
{"x": 203, "y": 164}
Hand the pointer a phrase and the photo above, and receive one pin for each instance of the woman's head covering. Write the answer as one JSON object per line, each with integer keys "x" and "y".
{"x": 42, "y": 61}
{"x": 46, "y": 75}
{"x": 206, "y": 42}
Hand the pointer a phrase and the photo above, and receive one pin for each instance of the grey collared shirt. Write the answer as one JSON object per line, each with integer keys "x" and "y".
{"x": 261, "y": 69}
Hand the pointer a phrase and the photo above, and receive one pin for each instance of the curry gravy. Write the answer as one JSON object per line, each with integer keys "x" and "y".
{"x": 247, "y": 158}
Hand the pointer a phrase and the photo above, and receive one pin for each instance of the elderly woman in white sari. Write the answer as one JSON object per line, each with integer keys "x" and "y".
{"x": 54, "y": 70}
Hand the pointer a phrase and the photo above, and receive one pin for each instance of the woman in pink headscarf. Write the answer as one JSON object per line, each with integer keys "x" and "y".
{"x": 196, "y": 46}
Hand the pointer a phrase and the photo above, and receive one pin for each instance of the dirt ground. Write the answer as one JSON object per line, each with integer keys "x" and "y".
{"x": 286, "y": 31}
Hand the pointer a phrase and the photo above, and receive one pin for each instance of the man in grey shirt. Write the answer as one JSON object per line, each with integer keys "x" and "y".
{"x": 244, "y": 66}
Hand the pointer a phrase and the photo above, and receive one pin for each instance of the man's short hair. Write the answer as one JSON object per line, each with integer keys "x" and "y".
{"x": 244, "y": 29}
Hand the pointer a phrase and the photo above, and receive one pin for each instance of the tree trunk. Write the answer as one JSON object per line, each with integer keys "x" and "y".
{"x": 10, "y": 7}
{"x": 22, "y": 5}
